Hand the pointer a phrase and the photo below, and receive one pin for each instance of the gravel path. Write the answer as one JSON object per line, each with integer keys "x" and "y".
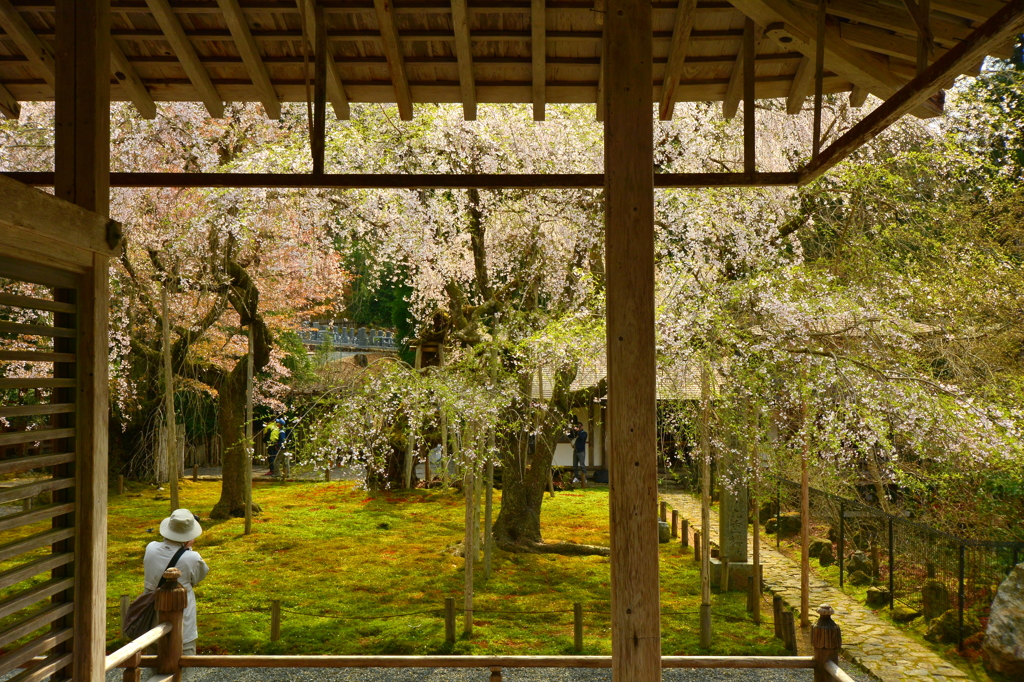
{"x": 479, "y": 675}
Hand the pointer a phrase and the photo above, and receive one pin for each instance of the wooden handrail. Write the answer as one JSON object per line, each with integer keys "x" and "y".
{"x": 136, "y": 646}
{"x": 837, "y": 673}
{"x": 478, "y": 661}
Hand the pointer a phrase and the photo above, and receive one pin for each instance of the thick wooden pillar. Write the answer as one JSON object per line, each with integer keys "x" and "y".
{"x": 82, "y": 165}
{"x": 629, "y": 245}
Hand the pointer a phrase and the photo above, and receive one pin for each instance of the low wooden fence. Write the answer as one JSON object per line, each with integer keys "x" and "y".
{"x": 169, "y": 662}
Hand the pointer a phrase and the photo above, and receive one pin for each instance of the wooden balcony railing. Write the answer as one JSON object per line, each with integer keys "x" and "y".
{"x": 826, "y": 639}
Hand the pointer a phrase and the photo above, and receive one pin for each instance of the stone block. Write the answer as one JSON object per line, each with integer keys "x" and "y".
{"x": 858, "y": 563}
{"x": 826, "y": 558}
{"x": 739, "y": 572}
{"x": 1004, "y": 636}
{"x": 817, "y": 544}
{"x": 904, "y": 614}
{"x": 859, "y": 579}
{"x": 935, "y": 599}
{"x": 664, "y": 531}
{"x": 877, "y": 597}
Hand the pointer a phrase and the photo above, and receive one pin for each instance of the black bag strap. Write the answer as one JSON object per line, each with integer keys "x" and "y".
{"x": 174, "y": 560}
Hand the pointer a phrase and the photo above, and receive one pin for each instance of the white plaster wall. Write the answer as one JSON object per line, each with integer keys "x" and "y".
{"x": 563, "y": 451}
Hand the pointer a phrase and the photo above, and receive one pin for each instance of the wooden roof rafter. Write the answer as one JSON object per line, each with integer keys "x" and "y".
{"x": 681, "y": 31}
{"x": 752, "y": 34}
{"x": 336, "y": 92}
{"x": 464, "y": 55}
{"x": 250, "y": 54}
{"x": 539, "y": 50}
{"x": 175, "y": 35}
{"x": 396, "y": 58}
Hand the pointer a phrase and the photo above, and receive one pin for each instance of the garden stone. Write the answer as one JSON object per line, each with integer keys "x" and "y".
{"x": 877, "y": 596}
{"x": 1004, "y": 636}
{"x": 934, "y": 599}
{"x": 858, "y": 563}
{"x": 905, "y": 614}
{"x": 789, "y": 523}
{"x": 768, "y": 511}
{"x": 771, "y": 525}
{"x": 825, "y": 558}
{"x": 859, "y": 579}
{"x": 818, "y": 544}
{"x": 944, "y": 629}
{"x": 664, "y": 531}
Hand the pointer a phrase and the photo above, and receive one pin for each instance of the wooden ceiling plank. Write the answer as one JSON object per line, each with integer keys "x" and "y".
{"x": 396, "y": 60}
{"x": 803, "y": 81}
{"x": 674, "y": 71}
{"x": 731, "y": 103}
{"x": 174, "y": 34}
{"x": 881, "y": 15}
{"x": 35, "y": 50}
{"x": 539, "y": 49}
{"x": 336, "y": 92}
{"x": 1004, "y": 25}
{"x": 791, "y": 26}
{"x": 464, "y": 54}
{"x": 246, "y": 45}
{"x": 130, "y": 81}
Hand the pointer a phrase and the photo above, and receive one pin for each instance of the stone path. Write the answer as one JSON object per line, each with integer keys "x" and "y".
{"x": 870, "y": 642}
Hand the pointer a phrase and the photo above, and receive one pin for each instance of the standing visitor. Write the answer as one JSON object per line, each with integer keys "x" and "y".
{"x": 275, "y": 439}
{"x": 579, "y": 454}
{"x": 179, "y": 531}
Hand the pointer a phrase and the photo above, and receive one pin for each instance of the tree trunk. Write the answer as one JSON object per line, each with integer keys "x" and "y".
{"x": 231, "y": 426}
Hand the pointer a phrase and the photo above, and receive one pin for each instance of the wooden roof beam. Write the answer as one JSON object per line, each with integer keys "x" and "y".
{"x": 858, "y": 96}
{"x": 539, "y": 50}
{"x": 1003, "y": 26}
{"x": 464, "y": 54}
{"x": 674, "y": 71}
{"x": 396, "y": 60}
{"x": 335, "y": 86}
{"x": 39, "y": 55}
{"x": 174, "y": 34}
{"x": 132, "y": 84}
{"x": 9, "y": 105}
{"x": 792, "y": 27}
{"x": 803, "y": 81}
{"x": 731, "y": 103}
{"x": 246, "y": 45}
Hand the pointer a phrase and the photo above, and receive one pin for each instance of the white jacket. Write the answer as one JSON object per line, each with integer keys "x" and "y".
{"x": 193, "y": 570}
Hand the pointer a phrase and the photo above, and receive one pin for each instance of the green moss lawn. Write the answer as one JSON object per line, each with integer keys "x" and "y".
{"x": 331, "y": 549}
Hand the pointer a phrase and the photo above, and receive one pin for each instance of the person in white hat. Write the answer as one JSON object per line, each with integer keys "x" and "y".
{"x": 180, "y": 531}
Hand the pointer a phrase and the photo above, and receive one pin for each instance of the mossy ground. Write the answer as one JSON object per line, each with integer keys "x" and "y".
{"x": 330, "y": 548}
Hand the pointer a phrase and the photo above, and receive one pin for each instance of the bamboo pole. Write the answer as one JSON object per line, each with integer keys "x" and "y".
{"x": 248, "y": 435}
{"x": 170, "y": 452}
{"x": 705, "y": 509}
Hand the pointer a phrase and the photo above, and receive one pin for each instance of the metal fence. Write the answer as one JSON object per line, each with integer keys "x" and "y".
{"x": 924, "y": 568}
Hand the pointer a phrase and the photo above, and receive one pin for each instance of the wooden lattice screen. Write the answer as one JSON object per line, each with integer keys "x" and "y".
{"x": 37, "y": 454}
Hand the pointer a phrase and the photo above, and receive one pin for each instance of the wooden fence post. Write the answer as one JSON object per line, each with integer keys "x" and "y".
{"x": 275, "y": 620}
{"x": 577, "y": 626}
{"x": 449, "y": 620}
{"x": 827, "y": 640}
{"x": 120, "y": 485}
{"x": 696, "y": 546}
{"x": 170, "y": 603}
{"x": 663, "y": 511}
{"x": 133, "y": 669}
{"x": 777, "y": 616}
{"x": 126, "y": 600}
{"x": 195, "y": 470}
{"x": 789, "y": 630}
{"x": 495, "y": 673}
{"x": 684, "y": 532}
{"x": 675, "y": 524}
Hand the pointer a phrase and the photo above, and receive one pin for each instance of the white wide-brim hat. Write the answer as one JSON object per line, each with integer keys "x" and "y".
{"x": 180, "y": 526}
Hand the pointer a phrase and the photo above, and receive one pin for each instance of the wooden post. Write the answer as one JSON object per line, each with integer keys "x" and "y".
{"x": 705, "y": 508}
{"x": 470, "y": 550}
{"x": 819, "y": 77}
{"x": 82, "y": 176}
{"x": 789, "y": 630}
{"x": 248, "y": 435}
{"x": 318, "y": 126}
{"x": 577, "y": 626}
{"x": 275, "y": 620}
{"x": 449, "y": 620}
{"x": 195, "y": 471}
{"x": 777, "y": 616}
{"x": 755, "y": 467}
{"x": 696, "y": 546}
{"x": 684, "y": 532}
{"x": 827, "y": 640}
{"x": 675, "y": 524}
{"x": 629, "y": 249}
{"x": 805, "y": 530}
{"x": 120, "y": 485}
{"x": 170, "y": 422}
{"x": 495, "y": 673}
{"x": 749, "y": 64}
{"x": 126, "y": 600}
{"x": 488, "y": 515}
{"x": 171, "y": 600}
{"x": 724, "y": 585}
{"x": 133, "y": 669}
{"x": 663, "y": 511}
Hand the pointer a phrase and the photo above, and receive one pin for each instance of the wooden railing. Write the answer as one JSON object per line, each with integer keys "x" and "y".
{"x": 171, "y": 599}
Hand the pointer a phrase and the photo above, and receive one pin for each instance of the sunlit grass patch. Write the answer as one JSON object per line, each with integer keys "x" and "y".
{"x": 341, "y": 560}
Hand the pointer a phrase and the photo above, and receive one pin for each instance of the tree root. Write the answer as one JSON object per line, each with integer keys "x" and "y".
{"x": 563, "y": 548}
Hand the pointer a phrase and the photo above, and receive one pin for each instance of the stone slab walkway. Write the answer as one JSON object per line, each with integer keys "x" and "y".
{"x": 868, "y": 641}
